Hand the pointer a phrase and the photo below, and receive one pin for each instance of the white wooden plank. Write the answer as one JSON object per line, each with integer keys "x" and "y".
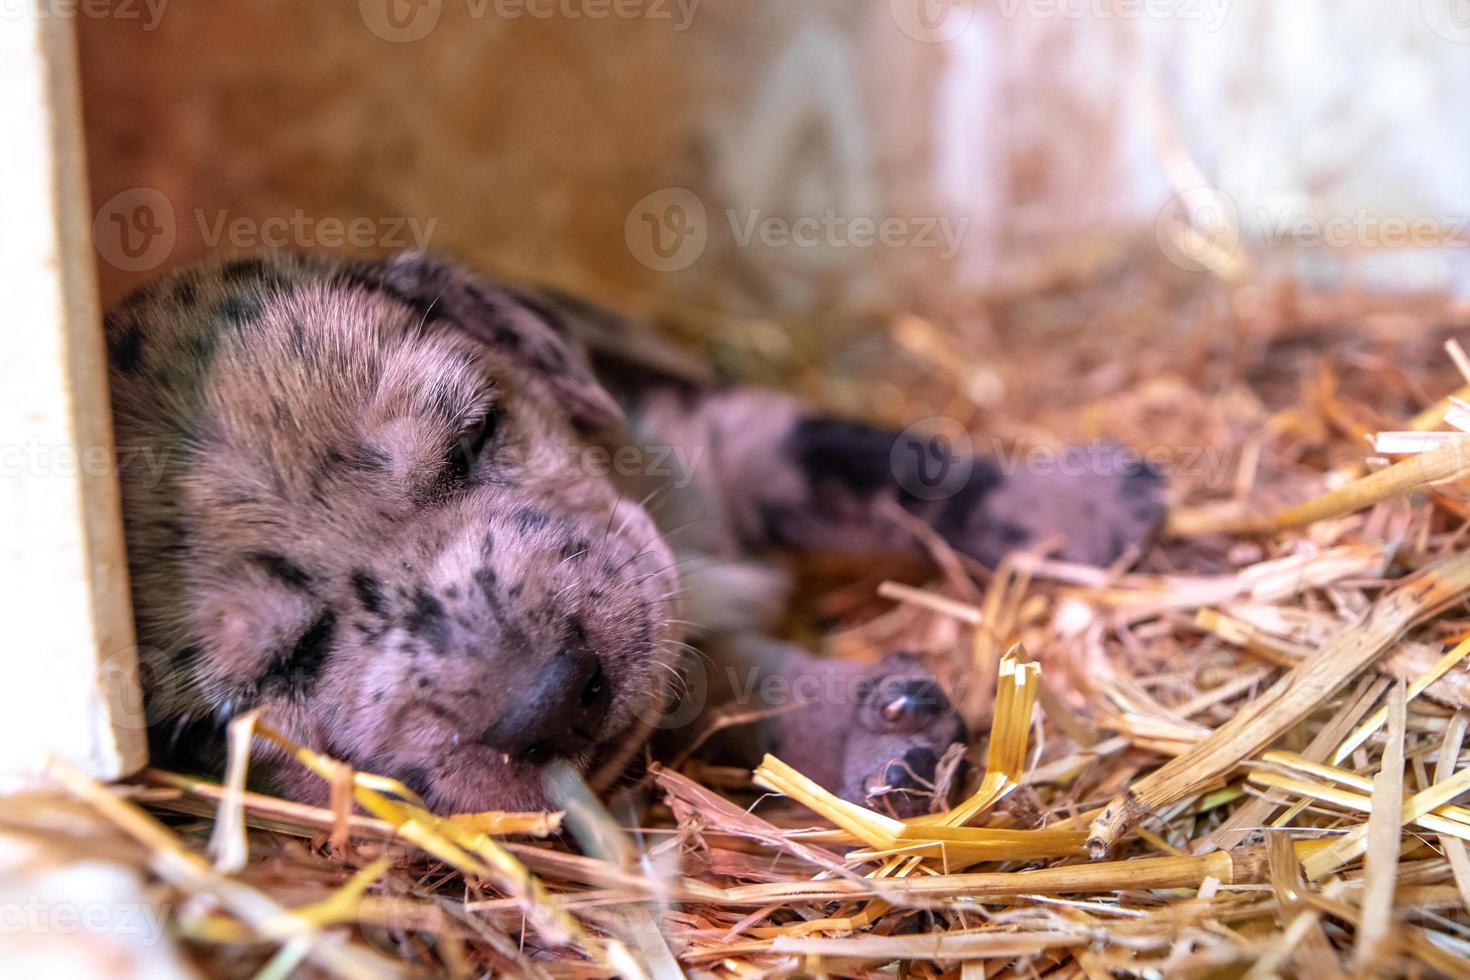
{"x": 68, "y": 685}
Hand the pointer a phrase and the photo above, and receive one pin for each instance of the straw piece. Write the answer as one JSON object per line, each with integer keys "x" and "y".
{"x": 343, "y": 905}
{"x": 1143, "y": 874}
{"x": 1408, "y": 443}
{"x": 193, "y": 874}
{"x": 1435, "y": 415}
{"x": 600, "y": 836}
{"x": 502, "y": 823}
{"x": 1352, "y": 844}
{"x": 1300, "y": 692}
{"x": 470, "y": 852}
{"x": 1416, "y": 942}
{"x": 972, "y": 845}
{"x": 1444, "y": 464}
{"x": 1364, "y": 785}
{"x": 723, "y": 815}
{"x": 228, "y": 842}
{"x": 1455, "y": 851}
{"x": 1459, "y": 357}
{"x": 934, "y": 947}
{"x": 932, "y": 601}
{"x": 1377, "y": 719}
{"x": 1410, "y": 661}
{"x": 1360, "y": 802}
{"x": 1015, "y": 700}
{"x": 1274, "y": 580}
{"x": 1381, "y": 859}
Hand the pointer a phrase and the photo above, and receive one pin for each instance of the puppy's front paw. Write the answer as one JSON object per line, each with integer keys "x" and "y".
{"x": 904, "y": 747}
{"x": 1097, "y": 501}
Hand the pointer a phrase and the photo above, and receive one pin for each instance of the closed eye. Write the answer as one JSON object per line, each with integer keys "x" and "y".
{"x": 470, "y": 444}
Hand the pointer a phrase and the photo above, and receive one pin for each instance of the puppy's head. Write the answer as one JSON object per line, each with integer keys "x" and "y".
{"x": 379, "y": 518}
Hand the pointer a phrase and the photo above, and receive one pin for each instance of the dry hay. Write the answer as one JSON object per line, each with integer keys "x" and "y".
{"x": 1238, "y": 753}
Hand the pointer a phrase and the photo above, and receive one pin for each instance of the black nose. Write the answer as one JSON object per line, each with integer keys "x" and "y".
{"x": 560, "y": 711}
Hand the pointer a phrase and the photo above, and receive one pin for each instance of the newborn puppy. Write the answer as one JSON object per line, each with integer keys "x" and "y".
{"x": 372, "y": 514}
{"x": 370, "y": 520}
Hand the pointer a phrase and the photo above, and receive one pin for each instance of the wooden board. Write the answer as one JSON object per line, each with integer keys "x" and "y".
{"x": 69, "y": 686}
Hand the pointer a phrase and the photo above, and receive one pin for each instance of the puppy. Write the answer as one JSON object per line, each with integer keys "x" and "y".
{"x": 387, "y": 508}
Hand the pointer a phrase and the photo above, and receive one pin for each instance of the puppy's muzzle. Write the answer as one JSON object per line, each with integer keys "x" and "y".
{"x": 558, "y": 709}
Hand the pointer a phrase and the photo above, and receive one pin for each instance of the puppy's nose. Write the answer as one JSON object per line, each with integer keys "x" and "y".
{"x": 558, "y": 712}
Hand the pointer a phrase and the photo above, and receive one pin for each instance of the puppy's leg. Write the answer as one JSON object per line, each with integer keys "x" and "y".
{"x": 776, "y": 474}
{"x": 787, "y": 477}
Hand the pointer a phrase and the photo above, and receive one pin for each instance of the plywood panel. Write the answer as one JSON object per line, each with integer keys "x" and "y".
{"x": 66, "y": 629}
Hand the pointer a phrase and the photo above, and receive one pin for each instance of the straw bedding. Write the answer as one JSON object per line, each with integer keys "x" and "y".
{"x": 1240, "y": 753}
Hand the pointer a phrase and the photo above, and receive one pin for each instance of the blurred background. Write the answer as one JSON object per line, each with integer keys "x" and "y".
{"x": 523, "y": 133}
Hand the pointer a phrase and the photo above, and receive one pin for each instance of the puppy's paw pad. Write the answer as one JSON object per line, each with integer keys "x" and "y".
{"x": 906, "y": 786}
{"x": 903, "y": 727}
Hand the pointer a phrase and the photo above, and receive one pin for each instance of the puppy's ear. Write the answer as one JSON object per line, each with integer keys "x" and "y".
{"x": 500, "y": 318}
